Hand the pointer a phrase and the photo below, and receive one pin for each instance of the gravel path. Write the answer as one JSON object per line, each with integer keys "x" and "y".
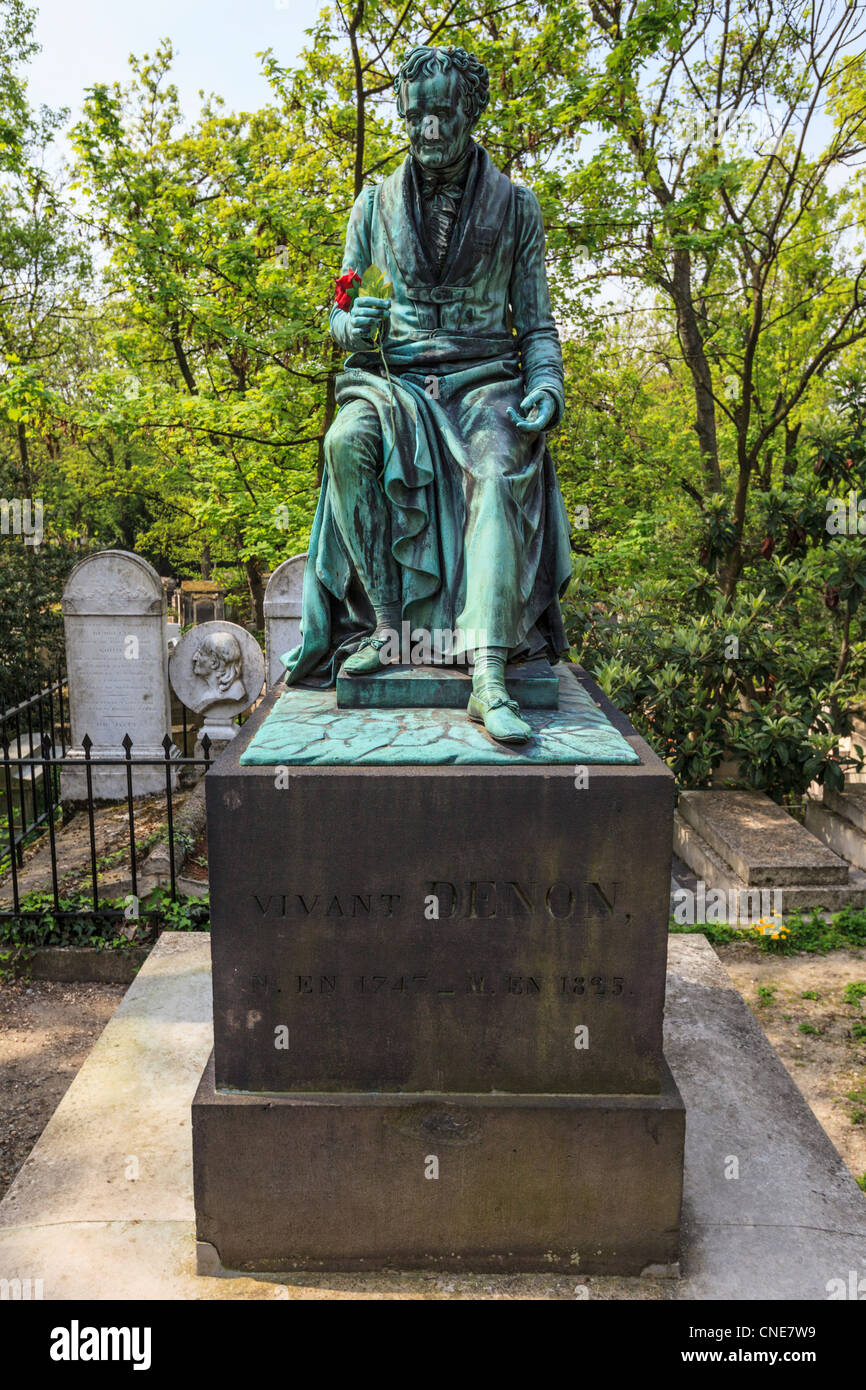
{"x": 46, "y": 1032}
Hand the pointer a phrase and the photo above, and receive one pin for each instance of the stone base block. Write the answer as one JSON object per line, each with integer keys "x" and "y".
{"x": 533, "y": 684}
{"x": 850, "y": 804}
{"x": 521, "y": 1183}
{"x": 446, "y": 929}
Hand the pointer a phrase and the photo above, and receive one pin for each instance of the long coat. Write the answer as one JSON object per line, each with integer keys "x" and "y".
{"x": 470, "y": 496}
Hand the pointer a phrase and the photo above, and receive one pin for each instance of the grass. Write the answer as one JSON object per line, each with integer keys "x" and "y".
{"x": 812, "y": 934}
{"x": 766, "y": 995}
{"x": 854, "y": 992}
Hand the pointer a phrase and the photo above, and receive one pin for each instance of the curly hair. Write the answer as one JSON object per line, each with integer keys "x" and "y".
{"x": 424, "y": 62}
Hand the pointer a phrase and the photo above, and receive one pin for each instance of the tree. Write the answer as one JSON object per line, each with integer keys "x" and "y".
{"x": 718, "y": 201}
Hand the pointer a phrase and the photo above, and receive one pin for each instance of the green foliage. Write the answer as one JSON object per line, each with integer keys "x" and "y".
{"x": 109, "y": 929}
{"x": 706, "y": 680}
{"x": 812, "y": 934}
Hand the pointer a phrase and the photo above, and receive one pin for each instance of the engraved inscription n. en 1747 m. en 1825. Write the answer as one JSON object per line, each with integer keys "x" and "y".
{"x": 471, "y": 982}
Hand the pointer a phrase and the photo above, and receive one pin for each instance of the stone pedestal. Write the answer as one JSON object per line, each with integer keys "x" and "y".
{"x": 438, "y": 1000}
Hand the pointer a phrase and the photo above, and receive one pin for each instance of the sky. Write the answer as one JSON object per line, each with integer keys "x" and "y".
{"x": 215, "y": 43}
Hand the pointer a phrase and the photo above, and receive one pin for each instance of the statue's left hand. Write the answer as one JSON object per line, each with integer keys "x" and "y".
{"x": 542, "y": 407}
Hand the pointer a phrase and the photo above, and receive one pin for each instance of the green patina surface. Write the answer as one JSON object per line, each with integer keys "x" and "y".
{"x": 305, "y": 728}
{"x": 533, "y": 685}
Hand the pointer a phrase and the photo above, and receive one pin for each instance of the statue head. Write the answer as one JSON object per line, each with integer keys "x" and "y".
{"x": 441, "y": 92}
{"x": 218, "y": 661}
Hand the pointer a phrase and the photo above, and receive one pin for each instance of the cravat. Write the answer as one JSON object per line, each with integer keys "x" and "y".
{"x": 441, "y": 195}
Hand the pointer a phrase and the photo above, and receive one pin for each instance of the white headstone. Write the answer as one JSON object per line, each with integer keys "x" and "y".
{"x": 218, "y": 670}
{"x": 117, "y": 668}
{"x": 283, "y": 613}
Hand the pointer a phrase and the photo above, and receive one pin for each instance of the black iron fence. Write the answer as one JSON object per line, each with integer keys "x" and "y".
{"x": 39, "y": 812}
{"x": 24, "y": 725}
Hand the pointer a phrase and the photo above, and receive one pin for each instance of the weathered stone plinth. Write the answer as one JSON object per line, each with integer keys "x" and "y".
{"x": 474, "y": 954}
{"x": 526, "y": 1183}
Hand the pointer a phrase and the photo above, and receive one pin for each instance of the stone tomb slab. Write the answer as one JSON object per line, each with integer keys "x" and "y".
{"x": 762, "y": 844}
{"x": 746, "y": 901}
{"x": 422, "y": 928}
{"x": 533, "y": 684}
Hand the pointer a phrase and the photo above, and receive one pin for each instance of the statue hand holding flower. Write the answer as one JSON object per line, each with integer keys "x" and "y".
{"x": 357, "y": 297}
{"x": 367, "y": 300}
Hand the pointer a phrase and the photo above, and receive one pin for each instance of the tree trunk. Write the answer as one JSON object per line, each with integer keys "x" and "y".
{"x": 205, "y": 560}
{"x": 696, "y": 360}
{"x": 789, "y": 466}
{"x": 25, "y": 460}
{"x": 257, "y": 591}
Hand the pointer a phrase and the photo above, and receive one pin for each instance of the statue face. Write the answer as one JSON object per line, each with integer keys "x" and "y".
{"x": 436, "y": 122}
{"x": 203, "y": 663}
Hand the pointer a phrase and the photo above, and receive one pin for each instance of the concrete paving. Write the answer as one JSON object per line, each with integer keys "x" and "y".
{"x": 103, "y": 1207}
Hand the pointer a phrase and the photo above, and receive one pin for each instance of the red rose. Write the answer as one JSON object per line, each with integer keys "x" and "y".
{"x": 346, "y": 284}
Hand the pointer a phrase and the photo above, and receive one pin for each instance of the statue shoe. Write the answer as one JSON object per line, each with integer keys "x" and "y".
{"x": 500, "y": 717}
{"x": 366, "y": 660}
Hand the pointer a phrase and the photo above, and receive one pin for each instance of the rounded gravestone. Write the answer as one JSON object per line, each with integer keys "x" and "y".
{"x": 116, "y": 662}
{"x": 283, "y": 602}
{"x": 218, "y": 670}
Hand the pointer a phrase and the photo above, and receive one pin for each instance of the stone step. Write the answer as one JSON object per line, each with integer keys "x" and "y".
{"x": 758, "y": 841}
{"x": 709, "y": 867}
{"x": 837, "y": 832}
{"x": 850, "y": 803}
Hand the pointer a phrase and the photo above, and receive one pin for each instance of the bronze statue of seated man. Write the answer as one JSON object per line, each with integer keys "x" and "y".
{"x": 439, "y": 503}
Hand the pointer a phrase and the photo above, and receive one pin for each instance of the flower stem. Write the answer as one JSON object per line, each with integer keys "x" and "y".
{"x": 378, "y": 342}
